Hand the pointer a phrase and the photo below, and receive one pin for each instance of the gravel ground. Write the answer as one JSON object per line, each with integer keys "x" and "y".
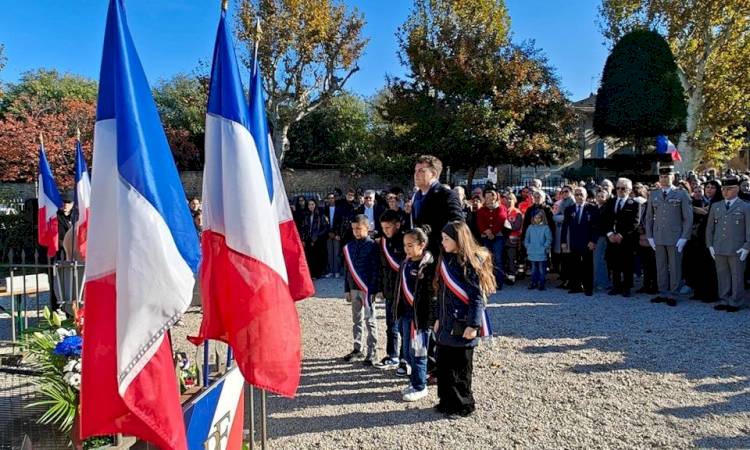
{"x": 564, "y": 371}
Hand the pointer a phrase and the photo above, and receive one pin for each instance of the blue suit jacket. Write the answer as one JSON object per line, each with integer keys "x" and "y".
{"x": 578, "y": 234}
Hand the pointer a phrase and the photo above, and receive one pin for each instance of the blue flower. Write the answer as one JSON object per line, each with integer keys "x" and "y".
{"x": 69, "y": 347}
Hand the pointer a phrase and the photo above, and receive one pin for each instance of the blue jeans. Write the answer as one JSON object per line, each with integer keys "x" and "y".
{"x": 391, "y": 331}
{"x": 496, "y": 246}
{"x": 418, "y": 365}
{"x": 538, "y": 272}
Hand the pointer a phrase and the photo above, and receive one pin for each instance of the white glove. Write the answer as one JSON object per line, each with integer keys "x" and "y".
{"x": 652, "y": 243}
{"x": 743, "y": 254}
{"x": 712, "y": 252}
{"x": 681, "y": 244}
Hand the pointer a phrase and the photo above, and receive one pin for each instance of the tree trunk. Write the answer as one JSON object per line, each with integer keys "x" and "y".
{"x": 694, "y": 112}
{"x": 280, "y": 142}
{"x": 470, "y": 179}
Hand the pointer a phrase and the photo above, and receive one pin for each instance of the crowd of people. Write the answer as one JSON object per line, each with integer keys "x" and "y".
{"x": 611, "y": 234}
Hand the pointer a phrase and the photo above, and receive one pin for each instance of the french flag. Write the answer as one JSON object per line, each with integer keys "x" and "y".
{"x": 247, "y": 283}
{"x": 664, "y": 145}
{"x": 142, "y": 255}
{"x": 49, "y": 202}
{"x": 83, "y": 200}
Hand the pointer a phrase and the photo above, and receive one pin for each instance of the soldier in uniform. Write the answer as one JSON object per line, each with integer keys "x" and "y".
{"x": 728, "y": 241}
{"x": 669, "y": 222}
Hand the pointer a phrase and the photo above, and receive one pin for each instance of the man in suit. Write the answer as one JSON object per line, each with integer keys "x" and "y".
{"x": 579, "y": 235}
{"x": 669, "y": 222}
{"x": 334, "y": 214}
{"x": 372, "y": 210}
{"x": 622, "y": 216}
{"x": 728, "y": 241}
{"x": 433, "y": 204}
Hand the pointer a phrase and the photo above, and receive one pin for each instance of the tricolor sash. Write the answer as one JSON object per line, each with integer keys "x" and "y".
{"x": 408, "y": 294}
{"x": 356, "y": 277}
{"x": 388, "y": 257}
{"x": 451, "y": 283}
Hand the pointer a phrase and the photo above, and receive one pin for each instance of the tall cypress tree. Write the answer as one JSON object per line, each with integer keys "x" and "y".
{"x": 640, "y": 95}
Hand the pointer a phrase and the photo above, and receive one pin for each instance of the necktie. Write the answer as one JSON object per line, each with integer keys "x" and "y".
{"x": 619, "y": 206}
{"x": 578, "y": 213}
{"x": 728, "y": 206}
{"x": 664, "y": 194}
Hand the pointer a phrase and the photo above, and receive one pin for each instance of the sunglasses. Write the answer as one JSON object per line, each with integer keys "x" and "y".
{"x": 620, "y": 188}
{"x": 578, "y": 195}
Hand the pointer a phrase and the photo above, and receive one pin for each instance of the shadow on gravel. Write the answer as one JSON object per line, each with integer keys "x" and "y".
{"x": 723, "y": 442}
{"x": 292, "y": 426}
{"x": 735, "y": 404}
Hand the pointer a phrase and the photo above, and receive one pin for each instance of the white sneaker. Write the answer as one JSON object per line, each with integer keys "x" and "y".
{"x": 414, "y": 396}
{"x": 407, "y": 390}
{"x": 337, "y": 275}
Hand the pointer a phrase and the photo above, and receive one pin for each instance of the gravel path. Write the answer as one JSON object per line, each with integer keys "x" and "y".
{"x": 565, "y": 371}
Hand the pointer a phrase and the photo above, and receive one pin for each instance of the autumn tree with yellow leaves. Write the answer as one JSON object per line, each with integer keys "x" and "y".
{"x": 308, "y": 50}
{"x": 711, "y": 44}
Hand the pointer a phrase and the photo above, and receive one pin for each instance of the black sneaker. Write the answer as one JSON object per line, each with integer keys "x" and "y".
{"x": 369, "y": 361}
{"x": 355, "y": 354}
{"x": 403, "y": 370}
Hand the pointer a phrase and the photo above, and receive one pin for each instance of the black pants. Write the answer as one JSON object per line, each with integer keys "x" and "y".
{"x": 648, "y": 262}
{"x": 620, "y": 259}
{"x": 581, "y": 270}
{"x": 455, "y": 366}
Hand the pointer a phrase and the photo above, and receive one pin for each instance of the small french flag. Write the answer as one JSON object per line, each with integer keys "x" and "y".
{"x": 83, "y": 199}
{"x": 49, "y": 202}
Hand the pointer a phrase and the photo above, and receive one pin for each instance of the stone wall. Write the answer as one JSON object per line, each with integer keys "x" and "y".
{"x": 307, "y": 181}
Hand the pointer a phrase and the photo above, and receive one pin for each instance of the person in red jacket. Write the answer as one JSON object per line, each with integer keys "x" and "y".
{"x": 490, "y": 222}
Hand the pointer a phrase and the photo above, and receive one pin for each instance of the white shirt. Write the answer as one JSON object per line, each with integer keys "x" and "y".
{"x": 730, "y": 202}
{"x": 331, "y": 212}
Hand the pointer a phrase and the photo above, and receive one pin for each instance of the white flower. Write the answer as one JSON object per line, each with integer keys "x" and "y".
{"x": 62, "y": 333}
{"x": 75, "y": 380}
{"x": 61, "y": 314}
{"x": 70, "y": 366}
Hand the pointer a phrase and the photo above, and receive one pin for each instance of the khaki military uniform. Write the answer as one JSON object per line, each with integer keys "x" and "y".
{"x": 669, "y": 217}
{"x": 727, "y": 231}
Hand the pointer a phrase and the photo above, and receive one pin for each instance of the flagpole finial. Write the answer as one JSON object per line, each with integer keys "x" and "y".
{"x": 224, "y": 5}
{"x": 258, "y": 30}
{"x": 78, "y": 134}
{"x": 41, "y": 139}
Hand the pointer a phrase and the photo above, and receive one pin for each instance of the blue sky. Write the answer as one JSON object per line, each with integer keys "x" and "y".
{"x": 173, "y": 35}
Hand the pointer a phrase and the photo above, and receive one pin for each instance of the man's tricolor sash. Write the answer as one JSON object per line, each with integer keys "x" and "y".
{"x": 357, "y": 279}
{"x": 455, "y": 287}
{"x": 388, "y": 257}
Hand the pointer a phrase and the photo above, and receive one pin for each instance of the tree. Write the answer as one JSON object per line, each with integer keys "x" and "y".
{"x": 55, "y": 105}
{"x": 42, "y": 92}
{"x": 711, "y": 44}
{"x": 640, "y": 94}
{"x": 19, "y": 142}
{"x": 335, "y": 133}
{"x": 308, "y": 50}
{"x": 473, "y": 97}
{"x": 182, "y": 101}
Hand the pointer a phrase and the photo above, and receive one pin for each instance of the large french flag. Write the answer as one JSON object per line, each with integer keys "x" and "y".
{"x": 300, "y": 283}
{"x": 49, "y": 202}
{"x": 83, "y": 200}
{"x": 245, "y": 283}
{"x": 142, "y": 255}
{"x": 664, "y": 145}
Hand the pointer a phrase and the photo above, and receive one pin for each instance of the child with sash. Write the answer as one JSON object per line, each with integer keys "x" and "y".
{"x": 414, "y": 309}
{"x": 466, "y": 278}
{"x": 391, "y": 257}
{"x": 360, "y": 286}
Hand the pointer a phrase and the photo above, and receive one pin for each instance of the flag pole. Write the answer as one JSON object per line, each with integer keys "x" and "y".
{"x": 75, "y": 214}
{"x": 263, "y": 411}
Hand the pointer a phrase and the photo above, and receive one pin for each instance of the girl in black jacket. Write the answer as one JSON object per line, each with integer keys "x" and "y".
{"x": 465, "y": 280}
{"x": 414, "y": 307}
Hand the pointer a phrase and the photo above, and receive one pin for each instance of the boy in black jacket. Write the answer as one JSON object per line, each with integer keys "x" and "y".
{"x": 391, "y": 257}
{"x": 360, "y": 286}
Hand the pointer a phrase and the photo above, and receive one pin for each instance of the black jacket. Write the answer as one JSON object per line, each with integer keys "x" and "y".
{"x": 625, "y": 222}
{"x": 439, "y": 206}
{"x": 389, "y": 276}
{"x": 424, "y": 293}
{"x": 314, "y": 226}
{"x": 578, "y": 234}
{"x": 365, "y": 257}
{"x": 449, "y": 308}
